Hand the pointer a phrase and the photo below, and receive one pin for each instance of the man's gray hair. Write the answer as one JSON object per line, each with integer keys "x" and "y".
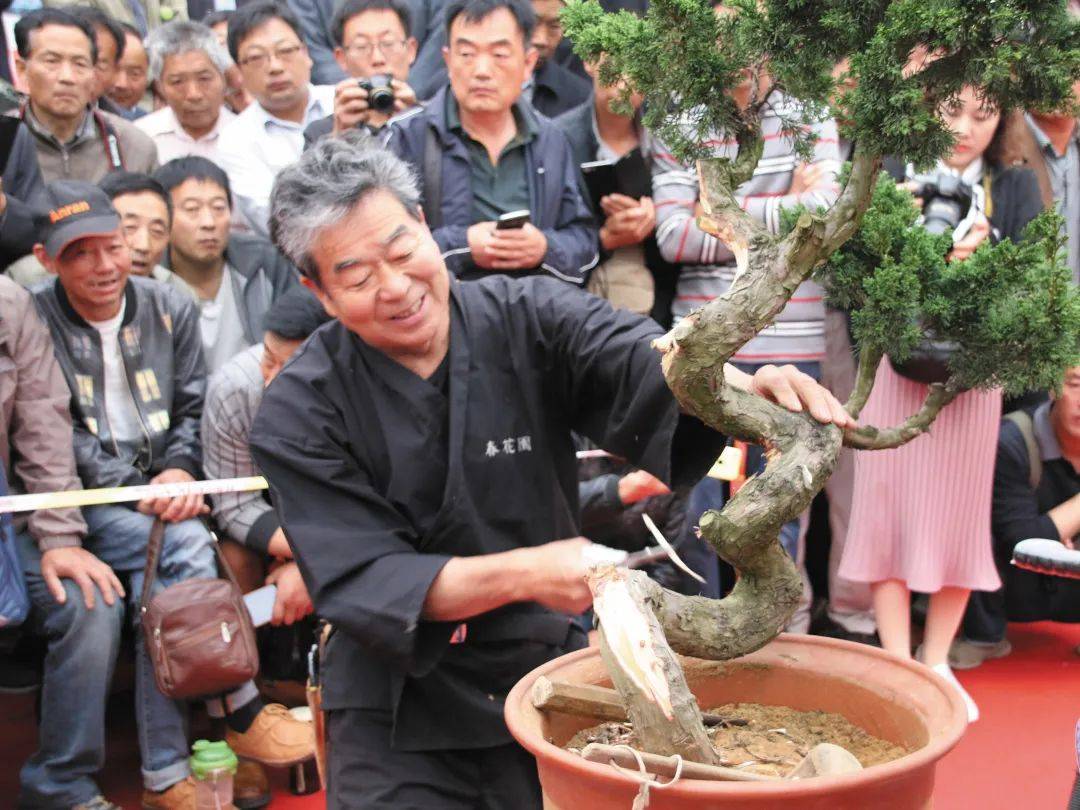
{"x": 184, "y": 36}
{"x": 328, "y": 181}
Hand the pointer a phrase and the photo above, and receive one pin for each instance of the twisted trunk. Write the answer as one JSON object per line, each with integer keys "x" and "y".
{"x": 642, "y": 624}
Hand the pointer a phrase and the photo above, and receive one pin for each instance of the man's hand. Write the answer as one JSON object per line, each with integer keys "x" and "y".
{"x": 628, "y": 225}
{"x": 808, "y": 176}
{"x": 350, "y": 106}
{"x": 292, "y": 602}
{"x": 404, "y": 96}
{"x": 611, "y": 204}
{"x": 279, "y": 546}
{"x": 3, "y": 198}
{"x": 975, "y": 237}
{"x": 78, "y": 564}
{"x": 557, "y": 575}
{"x": 639, "y": 485}
{"x": 173, "y": 510}
{"x": 479, "y": 237}
{"x": 790, "y": 388}
{"x": 517, "y": 248}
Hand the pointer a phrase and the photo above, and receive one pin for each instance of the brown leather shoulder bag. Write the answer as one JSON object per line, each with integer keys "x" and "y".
{"x": 198, "y": 632}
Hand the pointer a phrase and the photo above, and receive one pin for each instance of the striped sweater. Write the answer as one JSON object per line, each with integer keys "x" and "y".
{"x": 708, "y": 267}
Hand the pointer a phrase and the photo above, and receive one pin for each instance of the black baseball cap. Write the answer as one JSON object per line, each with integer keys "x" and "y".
{"x": 74, "y": 210}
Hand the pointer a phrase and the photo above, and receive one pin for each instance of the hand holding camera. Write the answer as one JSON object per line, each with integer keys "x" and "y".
{"x": 370, "y": 102}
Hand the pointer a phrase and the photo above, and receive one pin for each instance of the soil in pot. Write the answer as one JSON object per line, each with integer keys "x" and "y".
{"x": 772, "y": 742}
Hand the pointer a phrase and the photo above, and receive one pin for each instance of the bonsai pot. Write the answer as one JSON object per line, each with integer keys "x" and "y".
{"x": 899, "y": 701}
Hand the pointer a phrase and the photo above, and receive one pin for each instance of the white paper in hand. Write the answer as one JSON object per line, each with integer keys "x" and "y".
{"x": 260, "y": 604}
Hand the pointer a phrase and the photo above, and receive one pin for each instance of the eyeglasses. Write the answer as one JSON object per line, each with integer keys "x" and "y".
{"x": 260, "y": 59}
{"x": 387, "y": 47}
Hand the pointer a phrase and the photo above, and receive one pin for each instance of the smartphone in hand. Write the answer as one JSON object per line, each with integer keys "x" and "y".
{"x": 512, "y": 220}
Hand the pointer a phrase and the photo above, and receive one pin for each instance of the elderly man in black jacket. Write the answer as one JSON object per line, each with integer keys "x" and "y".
{"x": 130, "y": 352}
{"x": 420, "y": 457}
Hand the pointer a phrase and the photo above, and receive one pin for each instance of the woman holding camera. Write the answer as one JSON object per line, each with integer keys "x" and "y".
{"x": 920, "y": 518}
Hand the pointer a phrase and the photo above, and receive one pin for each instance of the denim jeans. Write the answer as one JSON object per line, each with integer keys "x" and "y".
{"x": 82, "y": 650}
{"x": 709, "y": 494}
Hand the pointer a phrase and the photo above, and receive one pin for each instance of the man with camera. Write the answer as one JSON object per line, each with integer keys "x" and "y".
{"x": 500, "y": 185}
{"x": 374, "y": 47}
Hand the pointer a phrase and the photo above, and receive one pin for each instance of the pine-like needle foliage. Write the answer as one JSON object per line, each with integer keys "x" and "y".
{"x": 684, "y": 59}
{"x": 1011, "y": 308}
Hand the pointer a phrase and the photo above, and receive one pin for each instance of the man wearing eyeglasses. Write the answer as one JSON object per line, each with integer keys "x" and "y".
{"x": 373, "y": 46}
{"x": 265, "y": 41}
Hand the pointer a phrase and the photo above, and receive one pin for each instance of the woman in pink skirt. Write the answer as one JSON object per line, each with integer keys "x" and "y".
{"x": 920, "y": 517}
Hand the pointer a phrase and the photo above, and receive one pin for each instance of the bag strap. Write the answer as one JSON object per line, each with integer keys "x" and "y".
{"x": 153, "y": 556}
{"x": 432, "y": 204}
{"x": 1022, "y": 420}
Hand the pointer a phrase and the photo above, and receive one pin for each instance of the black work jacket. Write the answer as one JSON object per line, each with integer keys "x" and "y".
{"x": 380, "y": 477}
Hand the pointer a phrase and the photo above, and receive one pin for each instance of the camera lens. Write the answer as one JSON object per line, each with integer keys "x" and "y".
{"x": 381, "y": 99}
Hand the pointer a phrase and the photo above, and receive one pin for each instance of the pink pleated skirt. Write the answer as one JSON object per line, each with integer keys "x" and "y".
{"x": 921, "y": 513}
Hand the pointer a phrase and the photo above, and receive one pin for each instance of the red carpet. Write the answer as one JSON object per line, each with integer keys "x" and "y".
{"x": 1019, "y": 755}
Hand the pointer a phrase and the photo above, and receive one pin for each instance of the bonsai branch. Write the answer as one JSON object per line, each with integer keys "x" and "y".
{"x": 869, "y": 360}
{"x": 867, "y": 437}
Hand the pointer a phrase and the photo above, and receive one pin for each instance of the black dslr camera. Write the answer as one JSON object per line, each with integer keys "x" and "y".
{"x": 946, "y": 201}
{"x": 380, "y": 94}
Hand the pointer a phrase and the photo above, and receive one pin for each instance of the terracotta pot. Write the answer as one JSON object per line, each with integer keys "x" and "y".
{"x": 899, "y": 701}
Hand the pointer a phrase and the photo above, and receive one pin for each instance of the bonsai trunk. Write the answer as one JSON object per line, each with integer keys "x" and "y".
{"x": 642, "y": 625}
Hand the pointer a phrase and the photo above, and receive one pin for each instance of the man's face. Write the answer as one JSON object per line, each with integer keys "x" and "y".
{"x": 59, "y": 72}
{"x": 275, "y": 65}
{"x": 144, "y": 220}
{"x": 221, "y": 31}
{"x": 193, "y": 88}
{"x": 1066, "y": 413}
{"x": 93, "y": 271}
{"x": 381, "y": 275}
{"x": 487, "y": 62}
{"x": 375, "y": 43}
{"x": 106, "y": 66}
{"x": 276, "y": 353}
{"x": 201, "y": 220}
{"x": 548, "y": 32}
{"x": 129, "y": 84}
{"x": 607, "y": 94}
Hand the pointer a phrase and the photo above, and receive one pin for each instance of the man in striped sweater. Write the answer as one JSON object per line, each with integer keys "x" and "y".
{"x": 708, "y": 267}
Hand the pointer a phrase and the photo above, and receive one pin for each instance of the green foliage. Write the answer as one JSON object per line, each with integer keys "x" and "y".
{"x": 1011, "y": 308}
{"x": 1023, "y": 53}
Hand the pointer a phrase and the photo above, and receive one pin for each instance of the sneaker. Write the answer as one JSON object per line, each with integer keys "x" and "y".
{"x": 180, "y": 796}
{"x": 964, "y": 654}
{"x": 251, "y": 788}
{"x": 275, "y": 738}
{"x": 945, "y": 672}
{"x": 99, "y": 802}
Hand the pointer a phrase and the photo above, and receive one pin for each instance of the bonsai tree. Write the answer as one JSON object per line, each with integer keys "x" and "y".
{"x": 1010, "y": 308}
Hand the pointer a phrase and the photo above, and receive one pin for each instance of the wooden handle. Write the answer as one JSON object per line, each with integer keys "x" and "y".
{"x": 666, "y": 766}
{"x": 585, "y": 700}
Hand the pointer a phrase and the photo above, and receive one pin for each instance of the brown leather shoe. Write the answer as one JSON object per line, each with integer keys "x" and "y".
{"x": 180, "y": 796}
{"x": 251, "y": 788}
{"x": 276, "y": 738}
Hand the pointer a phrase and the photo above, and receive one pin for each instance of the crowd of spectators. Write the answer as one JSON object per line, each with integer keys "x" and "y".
{"x": 134, "y": 211}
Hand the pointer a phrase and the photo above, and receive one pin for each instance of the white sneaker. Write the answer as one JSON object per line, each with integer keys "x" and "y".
{"x": 945, "y": 672}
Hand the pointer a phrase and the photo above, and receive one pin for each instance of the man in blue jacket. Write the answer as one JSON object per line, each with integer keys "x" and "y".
{"x": 482, "y": 151}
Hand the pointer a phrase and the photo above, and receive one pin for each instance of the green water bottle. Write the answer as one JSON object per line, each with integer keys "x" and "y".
{"x": 213, "y": 765}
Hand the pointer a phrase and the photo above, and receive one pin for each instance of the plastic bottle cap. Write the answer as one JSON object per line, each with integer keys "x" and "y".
{"x": 208, "y": 757}
{"x": 167, "y": 14}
